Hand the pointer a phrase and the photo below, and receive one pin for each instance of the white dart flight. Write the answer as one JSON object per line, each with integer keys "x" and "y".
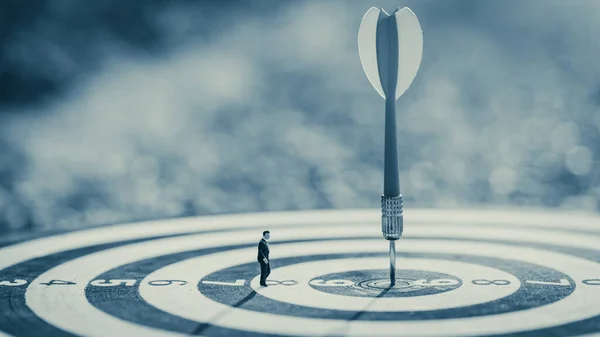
{"x": 390, "y": 49}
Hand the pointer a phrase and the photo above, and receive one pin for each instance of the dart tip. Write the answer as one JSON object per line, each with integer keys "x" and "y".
{"x": 392, "y": 263}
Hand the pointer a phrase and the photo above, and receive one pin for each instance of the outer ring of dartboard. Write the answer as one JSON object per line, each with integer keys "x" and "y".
{"x": 22, "y": 252}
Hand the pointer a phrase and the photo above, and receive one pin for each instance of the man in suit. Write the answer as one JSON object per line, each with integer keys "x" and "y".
{"x": 263, "y": 258}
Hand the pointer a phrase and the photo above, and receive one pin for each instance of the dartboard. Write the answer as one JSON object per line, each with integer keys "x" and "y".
{"x": 459, "y": 273}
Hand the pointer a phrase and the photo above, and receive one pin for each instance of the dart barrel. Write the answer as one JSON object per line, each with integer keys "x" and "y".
{"x": 392, "y": 220}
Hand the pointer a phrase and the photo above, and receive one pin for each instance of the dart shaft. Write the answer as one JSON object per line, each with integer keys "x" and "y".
{"x": 392, "y": 263}
{"x": 391, "y": 180}
{"x": 391, "y": 200}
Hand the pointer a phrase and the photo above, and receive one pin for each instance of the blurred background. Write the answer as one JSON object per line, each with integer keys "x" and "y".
{"x": 114, "y": 111}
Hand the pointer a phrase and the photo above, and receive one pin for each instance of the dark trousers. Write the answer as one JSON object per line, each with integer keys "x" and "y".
{"x": 265, "y": 270}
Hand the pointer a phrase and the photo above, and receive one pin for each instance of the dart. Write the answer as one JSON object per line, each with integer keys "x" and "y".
{"x": 390, "y": 48}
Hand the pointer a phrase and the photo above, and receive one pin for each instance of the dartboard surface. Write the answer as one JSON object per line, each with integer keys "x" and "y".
{"x": 459, "y": 273}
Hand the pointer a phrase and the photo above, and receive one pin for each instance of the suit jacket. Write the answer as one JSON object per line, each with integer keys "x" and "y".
{"x": 263, "y": 250}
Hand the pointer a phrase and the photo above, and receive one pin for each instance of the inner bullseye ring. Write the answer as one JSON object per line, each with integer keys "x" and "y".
{"x": 385, "y": 284}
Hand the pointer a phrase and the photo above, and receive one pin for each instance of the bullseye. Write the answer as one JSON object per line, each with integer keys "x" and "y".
{"x": 360, "y": 283}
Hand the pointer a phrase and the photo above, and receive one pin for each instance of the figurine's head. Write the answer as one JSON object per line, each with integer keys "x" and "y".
{"x": 266, "y": 235}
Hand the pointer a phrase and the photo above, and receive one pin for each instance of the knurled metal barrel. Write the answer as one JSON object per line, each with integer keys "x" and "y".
{"x": 392, "y": 221}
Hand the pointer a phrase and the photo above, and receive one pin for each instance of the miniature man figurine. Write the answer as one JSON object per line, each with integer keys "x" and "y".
{"x": 263, "y": 258}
